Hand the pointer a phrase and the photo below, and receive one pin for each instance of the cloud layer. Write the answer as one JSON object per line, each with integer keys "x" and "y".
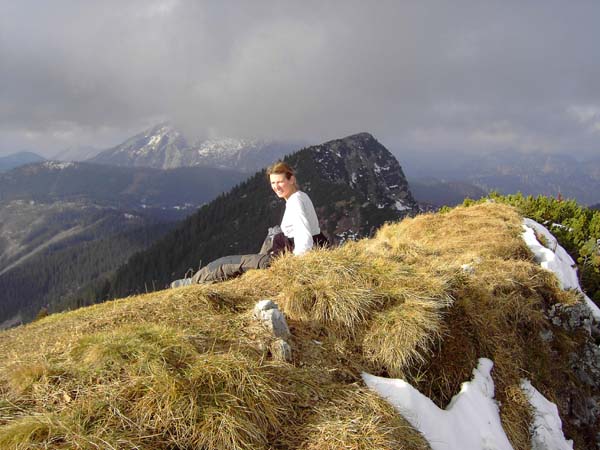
{"x": 421, "y": 76}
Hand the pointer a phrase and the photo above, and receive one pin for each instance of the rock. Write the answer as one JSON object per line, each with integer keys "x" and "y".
{"x": 268, "y": 314}
{"x": 272, "y": 318}
{"x": 281, "y": 350}
{"x": 469, "y": 268}
{"x": 264, "y": 305}
{"x": 275, "y": 322}
{"x": 547, "y": 335}
{"x": 572, "y": 317}
{"x": 585, "y": 362}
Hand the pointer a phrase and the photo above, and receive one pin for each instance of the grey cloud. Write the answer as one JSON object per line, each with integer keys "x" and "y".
{"x": 432, "y": 75}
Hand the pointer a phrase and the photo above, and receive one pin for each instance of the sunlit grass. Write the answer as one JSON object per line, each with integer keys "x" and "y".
{"x": 190, "y": 368}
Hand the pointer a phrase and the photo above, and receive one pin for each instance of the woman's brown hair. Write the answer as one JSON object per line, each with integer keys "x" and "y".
{"x": 280, "y": 167}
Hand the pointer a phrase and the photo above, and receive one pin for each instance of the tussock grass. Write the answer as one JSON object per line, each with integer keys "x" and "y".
{"x": 359, "y": 420}
{"x": 343, "y": 289}
{"x": 404, "y": 335}
{"x": 190, "y": 368}
{"x": 340, "y": 289}
{"x": 147, "y": 386}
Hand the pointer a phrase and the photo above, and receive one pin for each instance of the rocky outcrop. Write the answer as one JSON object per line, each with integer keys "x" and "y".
{"x": 585, "y": 362}
{"x": 364, "y": 164}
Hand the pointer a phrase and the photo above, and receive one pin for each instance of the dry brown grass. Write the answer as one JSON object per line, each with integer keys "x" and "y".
{"x": 358, "y": 420}
{"x": 189, "y": 368}
{"x": 404, "y": 335}
{"x": 148, "y": 387}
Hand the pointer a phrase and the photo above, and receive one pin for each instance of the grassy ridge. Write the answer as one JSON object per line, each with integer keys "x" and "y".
{"x": 190, "y": 368}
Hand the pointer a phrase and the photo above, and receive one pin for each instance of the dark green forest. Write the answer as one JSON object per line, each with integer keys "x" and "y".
{"x": 53, "y": 280}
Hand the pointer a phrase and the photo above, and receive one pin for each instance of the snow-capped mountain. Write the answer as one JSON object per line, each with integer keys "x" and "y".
{"x": 161, "y": 147}
{"x": 165, "y": 147}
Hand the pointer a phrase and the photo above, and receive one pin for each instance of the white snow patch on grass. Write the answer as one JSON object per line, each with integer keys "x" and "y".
{"x": 556, "y": 259}
{"x": 471, "y": 420}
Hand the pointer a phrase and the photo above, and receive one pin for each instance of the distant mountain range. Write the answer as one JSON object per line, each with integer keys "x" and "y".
{"x": 436, "y": 181}
{"x": 510, "y": 172}
{"x": 161, "y": 192}
{"x": 355, "y": 183}
{"x": 18, "y": 159}
{"x": 165, "y": 147}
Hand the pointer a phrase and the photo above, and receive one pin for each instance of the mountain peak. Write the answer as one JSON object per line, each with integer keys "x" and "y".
{"x": 165, "y": 147}
{"x": 362, "y": 162}
{"x": 362, "y": 135}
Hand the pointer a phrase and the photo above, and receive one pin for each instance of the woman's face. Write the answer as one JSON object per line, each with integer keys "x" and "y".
{"x": 283, "y": 187}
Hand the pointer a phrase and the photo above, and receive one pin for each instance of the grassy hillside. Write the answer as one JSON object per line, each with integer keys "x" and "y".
{"x": 190, "y": 368}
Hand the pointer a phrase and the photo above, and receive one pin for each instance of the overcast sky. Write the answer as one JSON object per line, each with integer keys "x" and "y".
{"x": 420, "y": 76}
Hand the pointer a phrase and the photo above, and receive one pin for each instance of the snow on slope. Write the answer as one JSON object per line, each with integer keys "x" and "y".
{"x": 471, "y": 421}
{"x": 556, "y": 259}
{"x": 546, "y": 422}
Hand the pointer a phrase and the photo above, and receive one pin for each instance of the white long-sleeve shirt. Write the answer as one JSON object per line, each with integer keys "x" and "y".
{"x": 300, "y": 222}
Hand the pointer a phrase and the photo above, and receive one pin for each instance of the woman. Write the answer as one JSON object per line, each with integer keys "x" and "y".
{"x": 300, "y": 232}
{"x": 299, "y": 225}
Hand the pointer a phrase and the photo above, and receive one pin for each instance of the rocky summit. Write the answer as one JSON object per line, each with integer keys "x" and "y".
{"x": 364, "y": 164}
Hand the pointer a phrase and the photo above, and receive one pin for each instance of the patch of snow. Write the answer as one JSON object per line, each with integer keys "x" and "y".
{"x": 380, "y": 205}
{"x": 183, "y": 207}
{"x": 55, "y": 165}
{"x": 129, "y": 216}
{"x": 546, "y": 430}
{"x": 348, "y": 235}
{"x": 555, "y": 259}
{"x": 393, "y": 186}
{"x": 154, "y": 140}
{"x": 401, "y": 206}
{"x": 471, "y": 420}
{"x": 225, "y": 146}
